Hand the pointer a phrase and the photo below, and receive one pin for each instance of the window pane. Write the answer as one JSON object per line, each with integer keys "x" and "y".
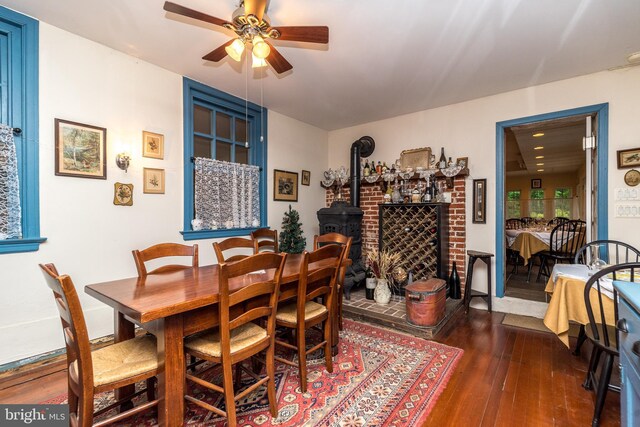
{"x": 201, "y": 119}
{"x": 562, "y": 202}
{"x": 201, "y": 147}
{"x": 223, "y": 151}
{"x": 223, "y": 126}
{"x": 513, "y": 204}
{"x": 241, "y": 130}
{"x": 242, "y": 154}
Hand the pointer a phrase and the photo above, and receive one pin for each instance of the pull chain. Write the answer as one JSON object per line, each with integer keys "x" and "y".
{"x": 246, "y": 100}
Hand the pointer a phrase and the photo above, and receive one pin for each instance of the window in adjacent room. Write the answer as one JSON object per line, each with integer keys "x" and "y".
{"x": 513, "y": 204}
{"x": 562, "y": 202}
{"x": 536, "y": 204}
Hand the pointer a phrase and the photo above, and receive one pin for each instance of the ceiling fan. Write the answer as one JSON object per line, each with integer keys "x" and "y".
{"x": 252, "y": 26}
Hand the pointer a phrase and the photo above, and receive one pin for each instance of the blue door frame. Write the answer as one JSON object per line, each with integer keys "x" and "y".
{"x": 602, "y": 114}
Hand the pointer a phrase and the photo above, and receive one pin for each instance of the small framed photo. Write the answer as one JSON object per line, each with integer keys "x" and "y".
{"x": 628, "y": 158}
{"x": 153, "y": 181}
{"x": 285, "y": 186}
{"x": 536, "y": 183}
{"x": 152, "y": 145}
{"x": 80, "y": 150}
{"x": 122, "y": 194}
{"x": 306, "y": 177}
{"x": 480, "y": 201}
{"x": 463, "y": 161}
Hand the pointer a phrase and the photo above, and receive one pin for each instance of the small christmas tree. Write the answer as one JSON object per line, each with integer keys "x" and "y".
{"x": 291, "y": 239}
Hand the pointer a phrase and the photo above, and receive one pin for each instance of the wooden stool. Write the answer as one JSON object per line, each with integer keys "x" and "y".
{"x": 468, "y": 292}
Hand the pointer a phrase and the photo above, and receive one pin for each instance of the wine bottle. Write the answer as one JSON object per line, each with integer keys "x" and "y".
{"x": 384, "y": 167}
{"x": 454, "y": 283}
{"x": 366, "y": 171}
{"x": 379, "y": 168}
{"x": 450, "y": 163}
{"x": 442, "y": 163}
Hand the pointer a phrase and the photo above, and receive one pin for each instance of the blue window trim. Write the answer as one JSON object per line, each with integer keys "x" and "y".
{"x": 195, "y": 91}
{"x": 602, "y": 111}
{"x": 27, "y": 143}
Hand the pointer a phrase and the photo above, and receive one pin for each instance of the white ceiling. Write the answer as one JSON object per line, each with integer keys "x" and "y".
{"x": 384, "y": 58}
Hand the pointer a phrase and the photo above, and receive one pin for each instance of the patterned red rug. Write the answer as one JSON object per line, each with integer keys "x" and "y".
{"x": 380, "y": 378}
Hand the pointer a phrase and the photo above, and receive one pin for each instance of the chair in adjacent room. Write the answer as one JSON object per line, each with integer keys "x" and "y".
{"x": 246, "y": 319}
{"x": 304, "y": 312}
{"x": 340, "y": 239}
{"x": 557, "y": 220}
{"x": 514, "y": 224}
{"x": 601, "y": 329}
{"x": 528, "y": 221}
{"x": 610, "y": 252}
{"x": 566, "y": 238}
{"x": 234, "y": 244}
{"x": 108, "y": 368}
{"x": 164, "y": 250}
{"x": 265, "y": 240}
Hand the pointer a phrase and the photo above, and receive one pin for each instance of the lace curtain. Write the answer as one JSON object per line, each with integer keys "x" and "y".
{"x": 227, "y": 195}
{"x": 10, "y": 215}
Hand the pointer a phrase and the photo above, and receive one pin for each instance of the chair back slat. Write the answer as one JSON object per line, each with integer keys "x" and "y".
{"x": 164, "y": 250}
{"x": 557, "y": 220}
{"x": 237, "y": 243}
{"x": 566, "y": 238}
{"x": 249, "y": 316}
{"x": 265, "y": 240}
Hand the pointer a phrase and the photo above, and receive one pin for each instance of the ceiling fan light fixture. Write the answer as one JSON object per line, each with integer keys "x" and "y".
{"x": 257, "y": 62}
{"x": 260, "y": 48}
{"x": 235, "y": 49}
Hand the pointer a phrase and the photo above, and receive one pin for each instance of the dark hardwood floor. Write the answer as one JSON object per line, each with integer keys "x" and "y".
{"x": 507, "y": 377}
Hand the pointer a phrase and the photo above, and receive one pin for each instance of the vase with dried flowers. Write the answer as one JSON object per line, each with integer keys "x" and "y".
{"x": 382, "y": 264}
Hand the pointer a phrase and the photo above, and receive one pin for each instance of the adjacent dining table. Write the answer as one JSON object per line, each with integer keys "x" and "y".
{"x": 172, "y": 306}
{"x": 528, "y": 241}
{"x": 566, "y": 287}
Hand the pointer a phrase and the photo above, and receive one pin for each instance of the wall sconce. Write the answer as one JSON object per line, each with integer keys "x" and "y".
{"x": 122, "y": 161}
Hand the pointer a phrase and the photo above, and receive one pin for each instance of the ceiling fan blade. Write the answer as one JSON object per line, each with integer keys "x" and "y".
{"x": 255, "y": 7}
{"x": 218, "y": 53}
{"x": 190, "y": 13}
{"x": 277, "y": 61}
{"x": 304, "y": 34}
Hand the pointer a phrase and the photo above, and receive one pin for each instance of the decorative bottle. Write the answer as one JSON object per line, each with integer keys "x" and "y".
{"x": 442, "y": 163}
{"x": 379, "y": 168}
{"x": 366, "y": 171}
{"x": 450, "y": 163}
{"x": 454, "y": 283}
{"x": 384, "y": 167}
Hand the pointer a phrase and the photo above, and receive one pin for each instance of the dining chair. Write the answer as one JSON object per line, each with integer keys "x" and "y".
{"x": 557, "y": 220}
{"x": 108, "y": 368}
{"x": 566, "y": 238}
{"x": 514, "y": 224}
{"x": 164, "y": 250}
{"x": 603, "y": 335}
{"x": 305, "y": 312}
{"x": 265, "y": 239}
{"x": 528, "y": 221}
{"x": 233, "y": 244}
{"x": 340, "y": 239}
{"x": 246, "y": 318}
{"x": 609, "y": 251}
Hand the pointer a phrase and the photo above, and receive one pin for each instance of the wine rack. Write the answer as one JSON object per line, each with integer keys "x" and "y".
{"x": 419, "y": 232}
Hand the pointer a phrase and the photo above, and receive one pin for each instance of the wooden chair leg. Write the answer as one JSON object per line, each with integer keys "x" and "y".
{"x": 238, "y": 376}
{"x": 229, "y": 401}
{"x": 302, "y": 358}
{"x": 85, "y": 411}
{"x": 603, "y": 386}
{"x": 340, "y": 311}
{"x": 271, "y": 384}
{"x": 327, "y": 346}
{"x": 151, "y": 389}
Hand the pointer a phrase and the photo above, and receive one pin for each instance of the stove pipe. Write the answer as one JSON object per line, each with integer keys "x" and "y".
{"x": 363, "y": 147}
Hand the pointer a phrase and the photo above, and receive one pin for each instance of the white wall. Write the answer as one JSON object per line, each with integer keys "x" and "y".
{"x": 469, "y": 129}
{"x": 90, "y": 238}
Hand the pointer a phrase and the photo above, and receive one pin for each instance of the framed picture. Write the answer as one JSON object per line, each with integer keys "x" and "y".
{"x": 285, "y": 186}
{"x": 152, "y": 145}
{"x": 463, "y": 161}
{"x": 628, "y": 158}
{"x": 536, "y": 183}
{"x": 153, "y": 181}
{"x": 122, "y": 194}
{"x": 479, "y": 201}
{"x": 306, "y": 177}
{"x": 80, "y": 150}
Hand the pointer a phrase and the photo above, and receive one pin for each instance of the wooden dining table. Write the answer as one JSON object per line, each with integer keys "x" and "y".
{"x": 174, "y": 305}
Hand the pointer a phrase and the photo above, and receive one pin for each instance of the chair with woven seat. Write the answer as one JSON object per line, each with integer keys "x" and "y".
{"x": 235, "y": 244}
{"x": 340, "y": 239}
{"x": 566, "y": 238}
{"x": 265, "y": 240}
{"x": 305, "y": 312}
{"x": 108, "y": 368}
{"x": 164, "y": 250}
{"x": 602, "y": 334}
{"x": 246, "y": 319}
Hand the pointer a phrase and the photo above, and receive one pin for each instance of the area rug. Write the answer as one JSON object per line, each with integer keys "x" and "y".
{"x": 380, "y": 378}
{"x": 534, "y": 324}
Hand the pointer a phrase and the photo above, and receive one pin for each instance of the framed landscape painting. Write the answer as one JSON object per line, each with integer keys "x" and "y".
{"x": 80, "y": 150}
{"x": 285, "y": 186}
{"x": 629, "y": 158}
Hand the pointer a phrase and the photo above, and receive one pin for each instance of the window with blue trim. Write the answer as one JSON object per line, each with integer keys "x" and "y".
{"x": 19, "y": 109}
{"x": 222, "y": 127}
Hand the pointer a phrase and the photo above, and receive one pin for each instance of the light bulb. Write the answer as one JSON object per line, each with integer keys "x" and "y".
{"x": 260, "y": 48}
{"x": 235, "y": 49}
{"x": 257, "y": 62}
